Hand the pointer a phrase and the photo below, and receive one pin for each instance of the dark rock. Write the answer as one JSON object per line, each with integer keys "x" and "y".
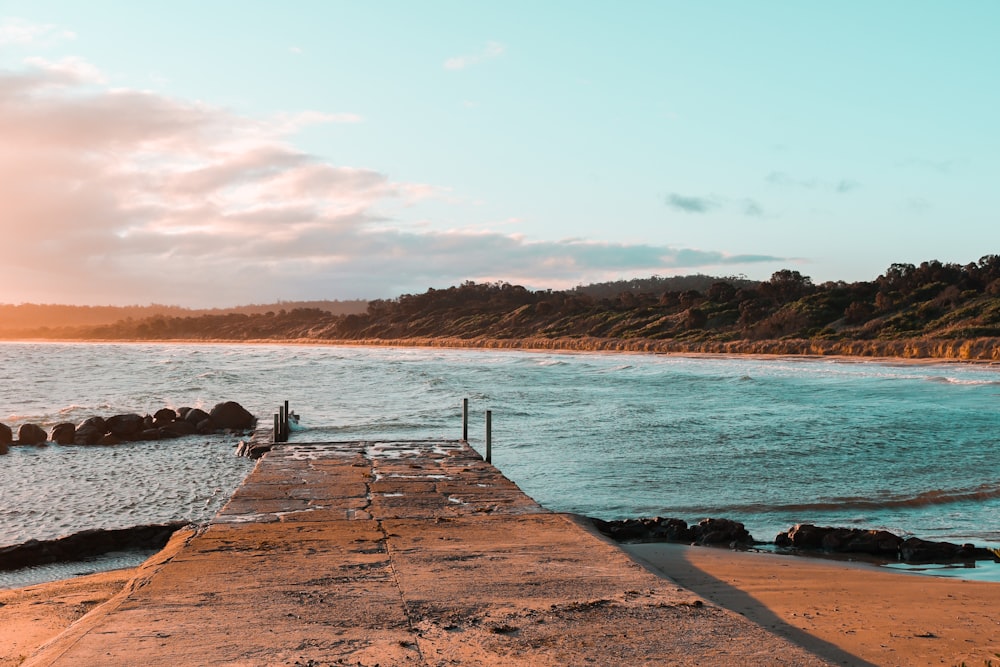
{"x": 177, "y": 429}
{"x": 195, "y": 415}
{"x": 233, "y": 416}
{"x": 86, "y": 544}
{"x": 6, "y": 435}
{"x": 879, "y": 543}
{"x": 150, "y": 434}
{"x": 109, "y": 439}
{"x": 62, "y": 434}
{"x": 916, "y": 550}
{"x": 857, "y": 541}
{"x": 182, "y": 413}
{"x": 657, "y": 529}
{"x": 31, "y": 434}
{"x": 90, "y": 431}
{"x": 206, "y": 426}
{"x": 125, "y": 427}
{"x": 165, "y": 415}
{"x": 721, "y": 531}
{"x": 804, "y": 536}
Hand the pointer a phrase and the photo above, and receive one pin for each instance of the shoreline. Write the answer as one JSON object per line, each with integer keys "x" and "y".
{"x": 984, "y": 351}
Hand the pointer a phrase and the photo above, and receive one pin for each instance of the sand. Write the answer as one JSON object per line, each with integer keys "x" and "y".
{"x": 848, "y": 613}
{"x": 31, "y": 616}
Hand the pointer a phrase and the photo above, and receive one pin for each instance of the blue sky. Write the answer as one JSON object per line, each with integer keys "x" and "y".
{"x": 220, "y": 153}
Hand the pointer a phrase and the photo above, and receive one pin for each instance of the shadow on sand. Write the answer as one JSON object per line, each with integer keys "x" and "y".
{"x": 686, "y": 574}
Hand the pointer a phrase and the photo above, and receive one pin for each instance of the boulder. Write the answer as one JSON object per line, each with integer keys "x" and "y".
{"x": 916, "y": 550}
{"x": 125, "y": 427}
{"x": 803, "y": 536}
{"x": 857, "y": 541}
{"x": 194, "y": 416}
{"x": 721, "y": 531}
{"x": 31, "y": 434}
{"x": 231, "y": 415}
{"x": 6, "y": 435}
{"x": 656, "y": 529}
{"x": 165, "y": 416}
{"x": 90, "y": 431}
{"x": 177, "y": 429}
{"x": 63, "y": 434}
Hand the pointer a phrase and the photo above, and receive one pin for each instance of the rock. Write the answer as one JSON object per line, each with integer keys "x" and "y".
{"x": 6, "y": 435}
{"x": 177, "y": 429}
{"x": 857, "y": 541}
{"x": 63, "y": 434}
{"x": 206, "y": 426}
{"x": 125, "y": 427}
{"x": 657, "y": 529}
{"x": 31, "y": 434}
{"x": 86, "y": 544}
{"x": 721, "y": 531}
{"x": 165, "y": 415}
{"x": 109, "y": 439}
{"x": 195, "y": 415}
{"x": 803, "y": 536}
{"x": 90, "y": 431}
{"x": 233, "y": 416}
{"x": 916, "y": 550}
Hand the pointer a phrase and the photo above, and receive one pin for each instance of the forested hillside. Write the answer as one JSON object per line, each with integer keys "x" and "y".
{"x": 948, "y": 303}
{"x": 33, "y": 318}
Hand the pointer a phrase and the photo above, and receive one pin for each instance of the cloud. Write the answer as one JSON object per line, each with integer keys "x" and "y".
{"x": 19, "y": 31}
{"x": 847, "y": 185}
{"x": 780, "y": 178}
{"x": 490, "y": 51}
{"x": 122, "y": 196}
{"x": 691, "y": 204}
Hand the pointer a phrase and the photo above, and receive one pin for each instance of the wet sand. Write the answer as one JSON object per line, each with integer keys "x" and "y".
{"x": 848, "y": 613}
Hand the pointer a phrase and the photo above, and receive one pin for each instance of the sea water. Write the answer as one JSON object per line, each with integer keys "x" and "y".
{"x": 913, "y": 448}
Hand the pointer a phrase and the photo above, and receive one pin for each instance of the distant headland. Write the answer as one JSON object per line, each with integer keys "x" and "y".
{"x": 933, "y": 310}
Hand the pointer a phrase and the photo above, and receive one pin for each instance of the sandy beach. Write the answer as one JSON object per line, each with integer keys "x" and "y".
{"x": 849, "y": 614}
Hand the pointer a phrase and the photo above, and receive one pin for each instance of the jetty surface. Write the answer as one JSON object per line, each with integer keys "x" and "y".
{"x": 401, "y": 553}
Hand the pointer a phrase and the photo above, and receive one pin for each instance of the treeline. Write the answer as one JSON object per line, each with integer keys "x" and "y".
{"x": 38, "y": 319}
{"x": 933, "y": 301}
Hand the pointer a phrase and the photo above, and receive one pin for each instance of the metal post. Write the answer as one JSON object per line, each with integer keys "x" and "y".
{"x": 489, "y": 436}
{"x": 465, "y": 420}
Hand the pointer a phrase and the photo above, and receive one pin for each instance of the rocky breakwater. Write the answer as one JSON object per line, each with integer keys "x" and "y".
{"x": 879, "y": 544}
{"x": 165, "y": 423}
{"x": 707, "y": 532}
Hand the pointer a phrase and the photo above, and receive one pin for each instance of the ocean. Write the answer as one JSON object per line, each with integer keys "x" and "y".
{"x": 771, "y": 442}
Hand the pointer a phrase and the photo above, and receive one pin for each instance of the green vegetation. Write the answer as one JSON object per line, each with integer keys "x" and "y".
{"x": 932, "y": 310}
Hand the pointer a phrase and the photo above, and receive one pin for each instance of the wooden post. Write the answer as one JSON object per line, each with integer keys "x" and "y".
{"x": 288, "y": 418}
{"x": 282, "y": 424}
{"x": 489, "y": 436}
{"x": 465, "y": 420}
{"x": 276, "y": 435}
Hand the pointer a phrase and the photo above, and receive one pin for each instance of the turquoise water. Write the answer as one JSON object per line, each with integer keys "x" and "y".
{"x": 912, "y": 448}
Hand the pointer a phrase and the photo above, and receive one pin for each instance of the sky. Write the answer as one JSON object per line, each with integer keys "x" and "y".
{"x": 212, "y": 154}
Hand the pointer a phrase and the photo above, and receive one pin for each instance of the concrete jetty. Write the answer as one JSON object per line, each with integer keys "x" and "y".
{"x": 401, "y": 553}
